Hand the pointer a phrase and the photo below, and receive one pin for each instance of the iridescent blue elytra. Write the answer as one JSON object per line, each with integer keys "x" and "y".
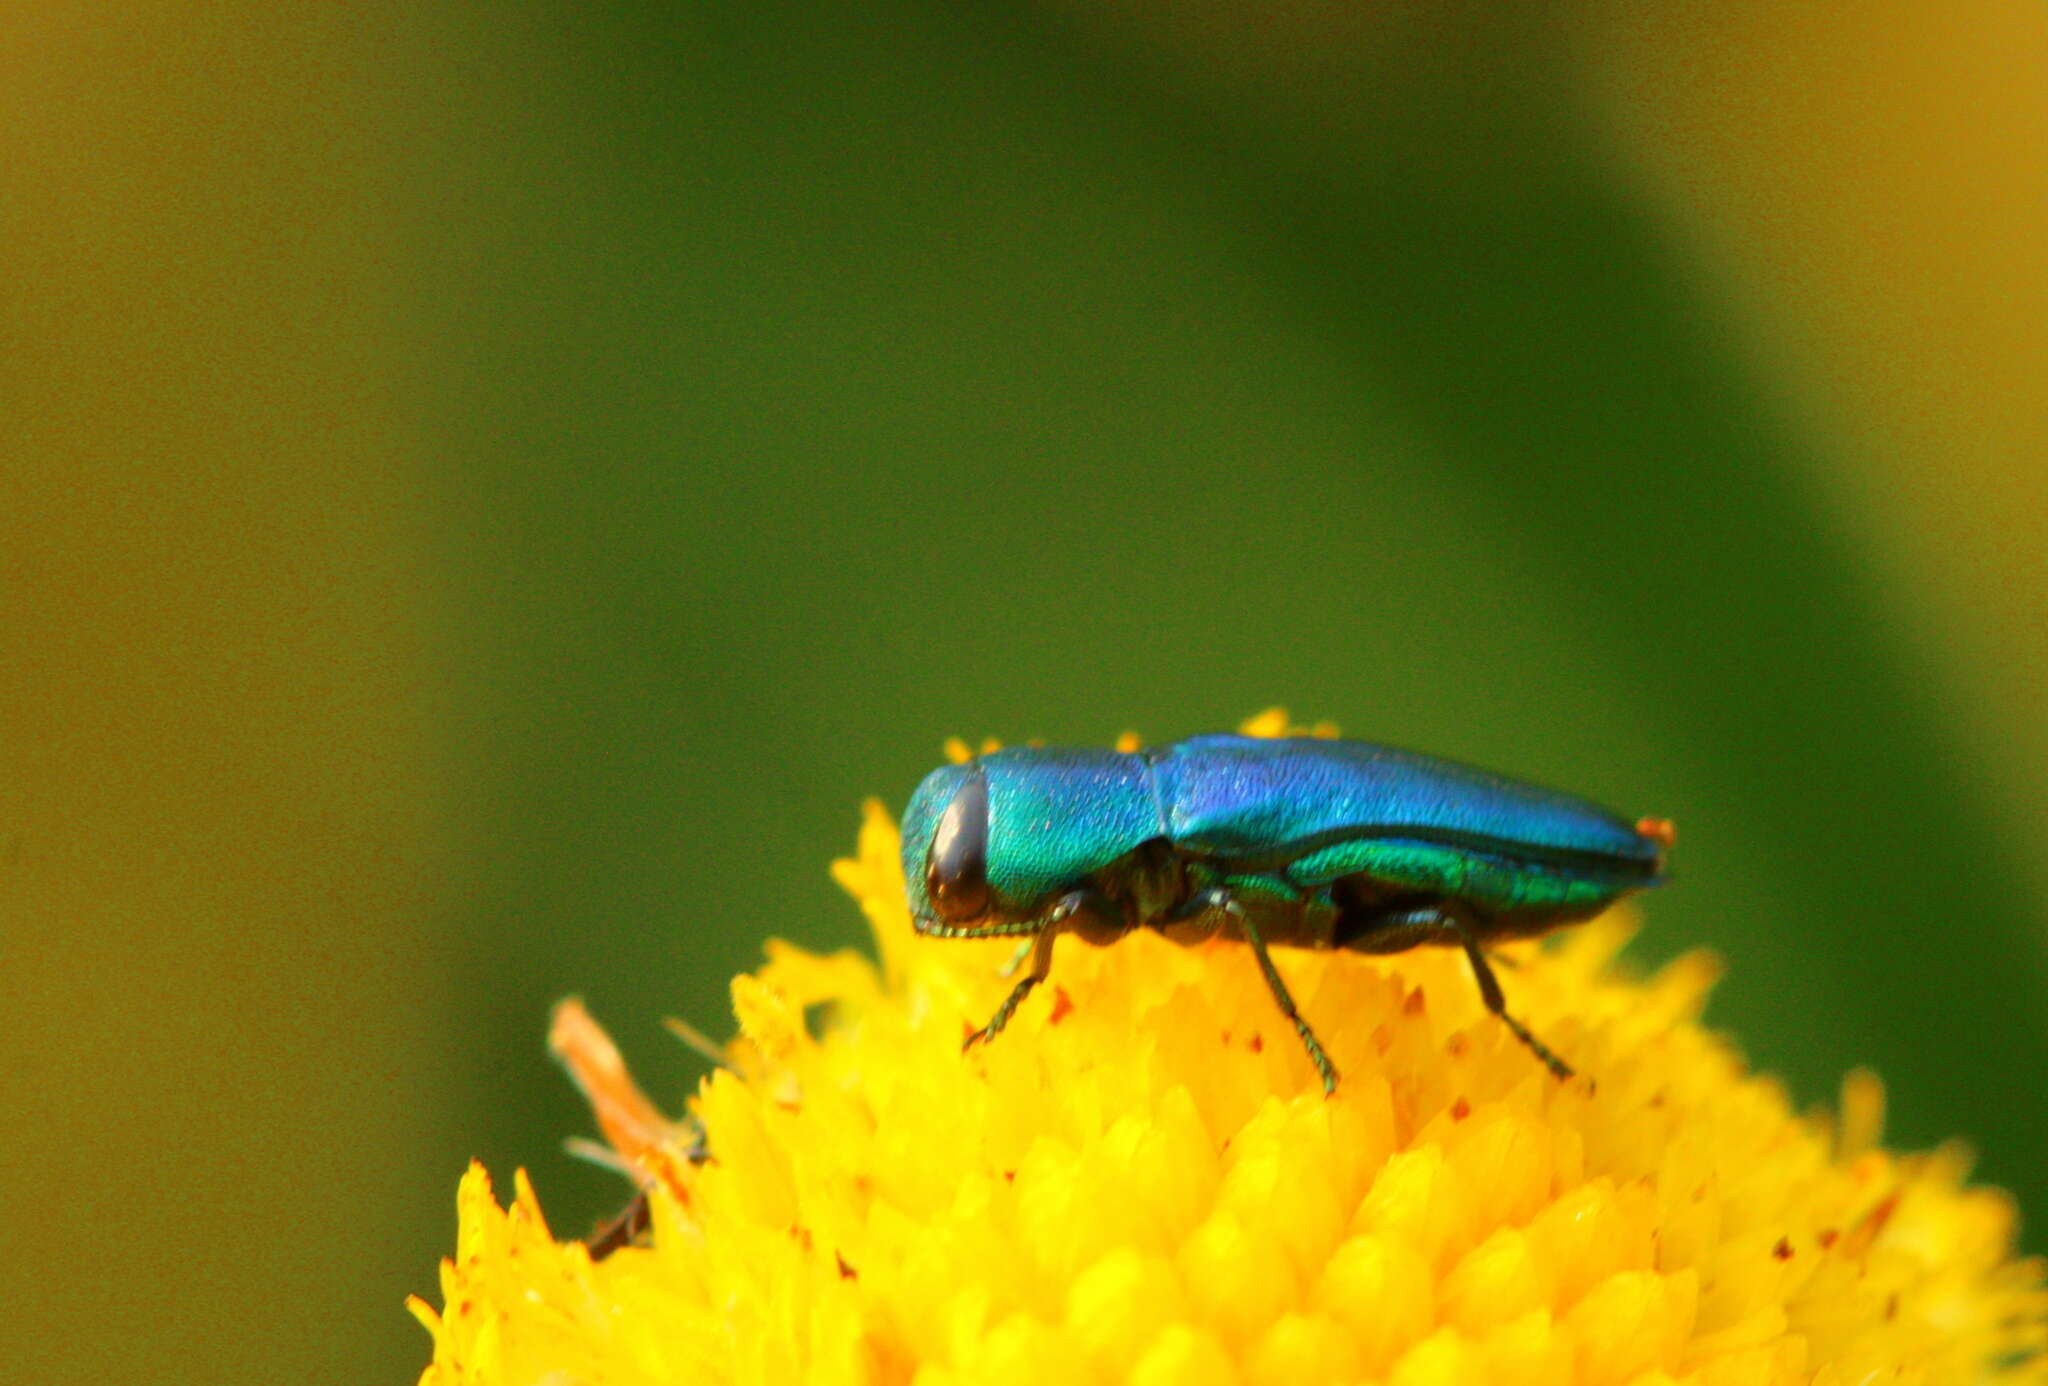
{"x": 1303, "y": 841}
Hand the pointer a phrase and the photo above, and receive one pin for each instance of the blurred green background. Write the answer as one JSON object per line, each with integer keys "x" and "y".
{"x": 488, "y": 489}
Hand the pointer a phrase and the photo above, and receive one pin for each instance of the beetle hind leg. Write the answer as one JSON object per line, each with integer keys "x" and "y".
{"x": 1489, "y": 992}
{"x": 1395, "y": 927}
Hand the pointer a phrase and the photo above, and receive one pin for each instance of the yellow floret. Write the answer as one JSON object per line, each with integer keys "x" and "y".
{"x": 1141, "y": 1181}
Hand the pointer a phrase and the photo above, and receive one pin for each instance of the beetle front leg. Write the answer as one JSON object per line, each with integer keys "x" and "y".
{"x": 1041, "y": 964}
{"x": 1088, "y": 913}
{"x": 1220, "y": 898}
{"x": 1016, "y": 959}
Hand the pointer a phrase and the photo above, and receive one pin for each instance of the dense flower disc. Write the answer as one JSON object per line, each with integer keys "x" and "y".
{"x": 1141, "y": 1181}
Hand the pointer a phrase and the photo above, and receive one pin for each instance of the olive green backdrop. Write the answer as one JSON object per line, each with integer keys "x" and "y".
{"x": 496, "y": 489}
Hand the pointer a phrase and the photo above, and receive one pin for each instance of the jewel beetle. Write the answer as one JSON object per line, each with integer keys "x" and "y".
{"x": 1306, "y": 842}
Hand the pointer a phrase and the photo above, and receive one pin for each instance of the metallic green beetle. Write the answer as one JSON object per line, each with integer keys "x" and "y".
{"x": 1303, "y": 841}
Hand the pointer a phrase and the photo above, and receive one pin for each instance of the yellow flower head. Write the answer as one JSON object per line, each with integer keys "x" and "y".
{"x": 1142, "y": 1181}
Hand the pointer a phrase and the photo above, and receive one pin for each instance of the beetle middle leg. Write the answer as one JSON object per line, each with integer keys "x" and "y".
{"x": 1220, "y": 899}
{"x": 1395, "y": 927}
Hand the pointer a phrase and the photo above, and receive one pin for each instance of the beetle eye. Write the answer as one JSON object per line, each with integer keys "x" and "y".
{"x": 956, "y": 867}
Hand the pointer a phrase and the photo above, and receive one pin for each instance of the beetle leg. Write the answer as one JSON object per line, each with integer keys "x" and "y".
{"x": 1324, "y": 1067}
{"x": 1398, "y": 929}
{"x": 1218, "y": 898}
{"x": 1489, "y": 992}
{"x": 1016, "y": 959}
{"x": 1088, "y": 913}
{"x": 1041, "y": 964}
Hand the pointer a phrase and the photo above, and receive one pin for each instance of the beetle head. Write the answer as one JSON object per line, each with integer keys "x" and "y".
{"x": 945, "y": 847}
{"x": 997, "y": 840}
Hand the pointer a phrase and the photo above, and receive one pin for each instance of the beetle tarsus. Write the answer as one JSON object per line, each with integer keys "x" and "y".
{"x": 1489, "y": 992}
{"x": 1001, "y": 1018}
{"x": 1218, "y": 899}
{"x": 1041, "y": 964}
